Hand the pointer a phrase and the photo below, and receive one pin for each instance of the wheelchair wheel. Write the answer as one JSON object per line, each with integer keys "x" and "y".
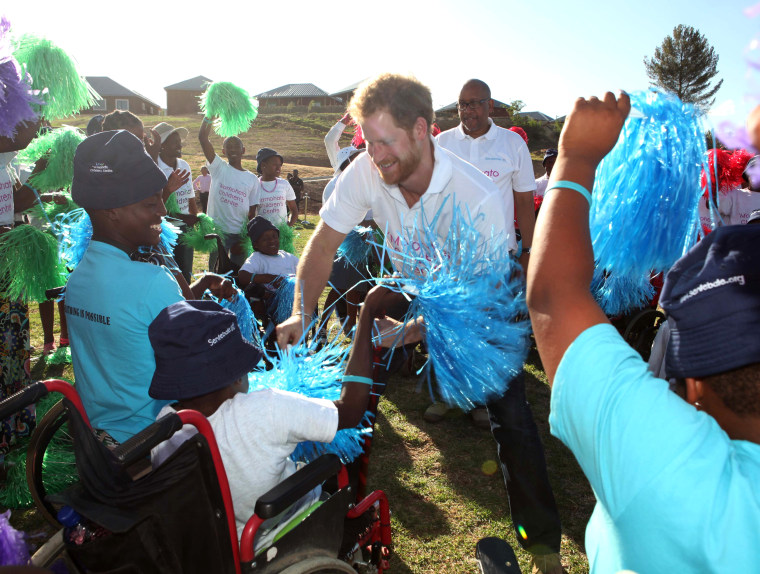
{"x": 50, "y": 466}
{"x": 320, "y": 565}
{"x": 642, "y": 329}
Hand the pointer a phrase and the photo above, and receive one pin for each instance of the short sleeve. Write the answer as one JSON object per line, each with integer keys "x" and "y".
{"x": 523, "y": 179}
{"x": 290, "y": 195}
{"x": 251, "y": 264}
{"x": 621, "y": 421}
{"x": 216, "y": 167}
{"x": 162, "y": 292}
{"x": 296, "y": 418}
{"x": 347, "y": 205}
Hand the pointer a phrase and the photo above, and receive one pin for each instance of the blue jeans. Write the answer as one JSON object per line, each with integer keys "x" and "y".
{"x": 521, "y": 455}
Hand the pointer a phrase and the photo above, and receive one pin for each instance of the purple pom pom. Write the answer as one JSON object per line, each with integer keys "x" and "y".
{"x": 15, "y": 95}
{"x": 13, "y": 548}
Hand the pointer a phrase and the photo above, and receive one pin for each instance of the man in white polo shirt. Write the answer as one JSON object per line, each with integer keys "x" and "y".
{"x": 499, "y": 153}
{"x": 404, "y": 171}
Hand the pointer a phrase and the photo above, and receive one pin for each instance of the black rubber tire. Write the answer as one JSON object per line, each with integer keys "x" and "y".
{"x": 51, "y": 427}
{"x": 641, "y": 330}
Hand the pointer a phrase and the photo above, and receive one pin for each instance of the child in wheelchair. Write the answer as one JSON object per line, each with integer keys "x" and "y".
{"x": 262, "y": 272}
{"x": 202, "y": 363}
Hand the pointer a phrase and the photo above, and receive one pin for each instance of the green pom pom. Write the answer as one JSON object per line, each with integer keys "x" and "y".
{"x": 233, "y": 107}
{"x": 54, "y": 73}
{"x": 245, "y": 241}
{"x": 54, "y": 209}
{"x": 287, "y": 235}
{"x": 29, "y": 262}
{"x": 61, "y": 356}
{"x": 172, "y": 206}
{"x": 58, "y": 147}
{"x": 195, "y": 237}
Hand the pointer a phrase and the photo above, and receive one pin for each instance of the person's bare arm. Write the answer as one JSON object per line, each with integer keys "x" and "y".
{"x": 252, "y": 212}
{"x": 355, "y": 396}
{"x": 220, "y": 287}
{"x": 562, "y": 310}
{"x": 311, "y": 277}
{"x": 293, "y": 208}
{"x": 206, "y": 146}
{"x": 526, "y": 219}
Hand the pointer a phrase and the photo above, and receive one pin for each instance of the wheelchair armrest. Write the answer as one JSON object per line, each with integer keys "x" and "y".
{"x": 140, "y": 445}
{"x": 25, "y": 397}
{"x": 297, "y": 485}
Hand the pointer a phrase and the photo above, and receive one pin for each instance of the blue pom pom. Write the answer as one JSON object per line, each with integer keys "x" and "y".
{"x": 357, "y": 246}
{"x": 74, "y": 231}
{"x": 282, "y": 304}
{"x": 617, "y": 295}
{"x": 644, "y": 214}
{"x": 472, "y": 299}
{"x": 249, "y": 327}
{"x": 316, "y": 374}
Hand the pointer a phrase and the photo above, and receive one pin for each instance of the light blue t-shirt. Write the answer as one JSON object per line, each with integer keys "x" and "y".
{"x": 674, "y": 492}
{"x": 110, "y": 302}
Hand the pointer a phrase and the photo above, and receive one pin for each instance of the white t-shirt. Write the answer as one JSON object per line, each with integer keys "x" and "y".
{"x": 541, "y": 184}
{"x": 185, "y": 193}
{"x": 256, "y": 433}
{"x": 742, "y": 203}
{"x": 283, "y": 263}
{"x": 7, "y": 180}
{"x": 360, "y": 188}
{"x": 332, "y": 144}
{"x": 500, "y": 154}
{"x": 723, "y": 215}
{"x": 272, "y": 198}
{"x": 232, "y": 194}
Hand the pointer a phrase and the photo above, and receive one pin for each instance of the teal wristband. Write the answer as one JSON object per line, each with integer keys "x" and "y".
{"x": 571, "y": 185}
{"x": 357, "y": 379}
{"x": 207, "y": 120}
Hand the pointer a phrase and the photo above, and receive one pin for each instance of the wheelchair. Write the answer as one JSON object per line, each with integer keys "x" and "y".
{"x": 179, "y": 516}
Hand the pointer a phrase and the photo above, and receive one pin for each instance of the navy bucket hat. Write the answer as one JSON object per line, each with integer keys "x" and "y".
{"x": 712, "y": 297}
{"x": 258, "y": 226}
{"x": 199, "y": 349}
{"x": 112, "y": 169}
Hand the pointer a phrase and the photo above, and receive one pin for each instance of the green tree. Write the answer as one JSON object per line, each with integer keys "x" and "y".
{"x": 685, "y": 64}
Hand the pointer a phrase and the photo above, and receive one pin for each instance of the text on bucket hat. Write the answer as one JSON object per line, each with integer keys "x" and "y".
{"x": 198, "y": 349}
{"x": 712, "y": 297}
{"x": 112, "y": 169}
{"x": 258, "y": 226}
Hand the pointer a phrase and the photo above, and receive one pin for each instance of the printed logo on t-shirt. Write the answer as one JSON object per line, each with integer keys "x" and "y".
{"x": 100, "y": 168}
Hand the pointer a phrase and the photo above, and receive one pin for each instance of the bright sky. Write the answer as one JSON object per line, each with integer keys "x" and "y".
{"x": 545, "y": 53}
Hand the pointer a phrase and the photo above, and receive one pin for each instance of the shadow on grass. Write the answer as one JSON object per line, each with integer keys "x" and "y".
{"x": 466, "y": 460}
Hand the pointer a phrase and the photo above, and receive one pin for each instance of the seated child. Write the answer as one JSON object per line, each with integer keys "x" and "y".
{"x": 202, "y": 363}
{"x": 268, "y": 261}
{"x": 276, "y": 196}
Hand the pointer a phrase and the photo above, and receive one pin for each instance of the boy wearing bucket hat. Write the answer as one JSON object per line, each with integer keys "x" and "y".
{"x": 111, "y": 299}
{"x": 675, "y": 477}
{"x": 268, "y": 261}
{"x": 202, "y": 363}
{"x": 185, "y": 208}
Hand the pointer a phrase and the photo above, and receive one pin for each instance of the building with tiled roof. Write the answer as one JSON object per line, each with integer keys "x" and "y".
{"x": 114, "y": 96}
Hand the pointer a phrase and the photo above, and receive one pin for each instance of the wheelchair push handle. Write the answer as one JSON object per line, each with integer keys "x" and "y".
{"x": 140, "y": 445}
{"x": 25, "y": 397}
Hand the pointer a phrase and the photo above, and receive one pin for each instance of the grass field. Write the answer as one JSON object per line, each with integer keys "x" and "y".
{"x": 444, "y": 487}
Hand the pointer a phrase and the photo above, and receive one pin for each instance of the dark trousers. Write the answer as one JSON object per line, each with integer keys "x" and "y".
{"x": 521, "y": 455}
{"x": 183, "y": 255}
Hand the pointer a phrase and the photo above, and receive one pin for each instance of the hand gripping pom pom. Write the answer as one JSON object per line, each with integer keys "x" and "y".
{"x": 249, "y": 327}
{"x": 54, "y": 77}
{"x": 470, "y": 293}
{"x": 646, "y": 193}
{"x": 234, "y": 109}
{"x": 316, "y": 374}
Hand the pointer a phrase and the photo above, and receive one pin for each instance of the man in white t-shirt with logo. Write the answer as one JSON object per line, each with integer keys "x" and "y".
{"x": 404, "y": 171}
{"x": 186, "y": 209}
{"x": 233, "y": 194}
{"x": 499, "y": 153}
